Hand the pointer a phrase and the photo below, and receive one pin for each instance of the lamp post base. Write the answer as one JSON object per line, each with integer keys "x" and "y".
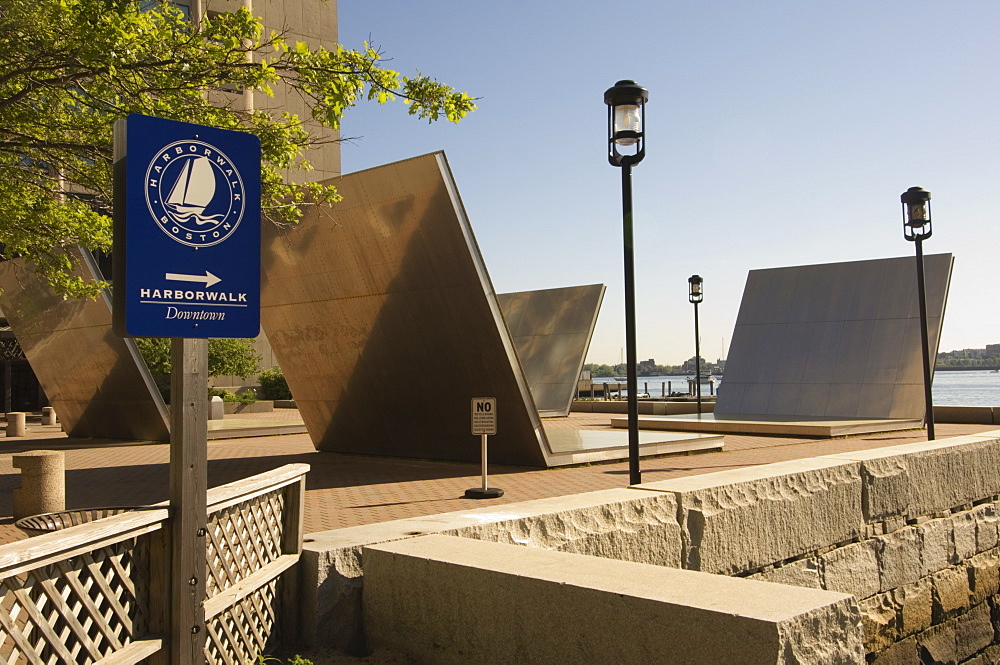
{"x": 483, "y": 493}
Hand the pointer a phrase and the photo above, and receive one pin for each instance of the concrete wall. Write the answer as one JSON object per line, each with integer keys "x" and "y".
{"x": 645, "y": 408}
{"x": 911, "y": 532}
{"x": 977, "y": 415}
{"x": 314, "y": 22}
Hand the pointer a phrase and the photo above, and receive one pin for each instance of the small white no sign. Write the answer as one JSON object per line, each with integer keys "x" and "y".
{"x": 484, "y": 415}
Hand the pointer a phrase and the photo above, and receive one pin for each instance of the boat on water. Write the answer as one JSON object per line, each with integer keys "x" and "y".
{"x": 192, "y": 192}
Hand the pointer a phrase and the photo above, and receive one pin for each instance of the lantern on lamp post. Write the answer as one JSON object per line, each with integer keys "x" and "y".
{"x": 695, "y": 296}
{"x": 917, "y": 228}
{"x": 626, "y": 102}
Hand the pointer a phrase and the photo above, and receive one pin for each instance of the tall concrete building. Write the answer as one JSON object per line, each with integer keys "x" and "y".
{"x": 311, "y": 21}
{"x": 315, "y": 23}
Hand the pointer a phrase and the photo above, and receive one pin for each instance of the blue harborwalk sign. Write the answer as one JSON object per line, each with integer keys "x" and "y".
{"x": 187, "y": 230}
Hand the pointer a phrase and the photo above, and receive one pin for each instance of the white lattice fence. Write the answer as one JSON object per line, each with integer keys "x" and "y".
{"x": 97, "y": 593}
{"x": 241, "y": 632}
{"x": 82, "y": 595}
{"x": 253, "y": 540}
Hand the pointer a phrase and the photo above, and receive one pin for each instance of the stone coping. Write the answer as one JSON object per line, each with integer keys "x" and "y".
{"x": 455, "y": 600}
{"x": 475, "y": 517}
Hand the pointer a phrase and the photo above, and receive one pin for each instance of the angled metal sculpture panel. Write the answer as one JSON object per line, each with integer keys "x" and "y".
{"x": 383, "y": 318}
{"x": 839, "y": 340}
{"x": 97, "y": 382}
{"x": 552, "y": 329}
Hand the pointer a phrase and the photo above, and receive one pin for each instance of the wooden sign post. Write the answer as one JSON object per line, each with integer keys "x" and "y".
{"x": 188, "y": 498}
{"x": 187, "y": 267}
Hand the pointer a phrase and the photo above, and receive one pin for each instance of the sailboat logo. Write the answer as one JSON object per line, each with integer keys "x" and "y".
{"x": 194, "y": 193}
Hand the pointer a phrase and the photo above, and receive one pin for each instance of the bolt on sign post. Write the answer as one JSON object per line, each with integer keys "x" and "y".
{"x": 186, "y": 266}
{"x": 484, "y": 423}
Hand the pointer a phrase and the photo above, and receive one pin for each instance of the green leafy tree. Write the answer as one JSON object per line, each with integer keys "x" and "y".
{"x": 236, "y": 357}
{"x": 599, "y": 371}
{"x": 156, "y": 352}
{"x": 70, "y": 68}
{"x": 273, "y": 384}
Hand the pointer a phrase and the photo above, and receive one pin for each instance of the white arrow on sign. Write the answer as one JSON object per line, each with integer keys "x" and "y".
{"x": 208, "y": 278}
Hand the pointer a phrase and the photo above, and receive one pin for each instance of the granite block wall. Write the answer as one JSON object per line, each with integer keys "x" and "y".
{"x": 927, "y": 589}
{"x": 912, "y": 532}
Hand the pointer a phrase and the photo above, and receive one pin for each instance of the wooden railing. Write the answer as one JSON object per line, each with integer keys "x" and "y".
{"x": 98, "y": 593}
{"x": 254, "y": 539}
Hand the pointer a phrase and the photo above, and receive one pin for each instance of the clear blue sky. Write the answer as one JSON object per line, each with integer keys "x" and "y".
{"x": 779, "y": 133}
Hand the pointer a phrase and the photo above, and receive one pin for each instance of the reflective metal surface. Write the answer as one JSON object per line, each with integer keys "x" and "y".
{"x": 382, "y": 316}
{"x": 97, "y": 382}
{"x": 552, "y": 329}
{"x": 839, "y": 340}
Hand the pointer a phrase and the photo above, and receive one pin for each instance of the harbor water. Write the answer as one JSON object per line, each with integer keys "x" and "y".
{"x": 966, "y": 388}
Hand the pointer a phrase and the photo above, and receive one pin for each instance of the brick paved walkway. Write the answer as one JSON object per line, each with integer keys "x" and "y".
{"x": 348, "y": 490}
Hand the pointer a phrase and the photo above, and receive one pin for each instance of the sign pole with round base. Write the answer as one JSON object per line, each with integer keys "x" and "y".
{"x": 483, "y": 493}
{"x": 484, "y": 423}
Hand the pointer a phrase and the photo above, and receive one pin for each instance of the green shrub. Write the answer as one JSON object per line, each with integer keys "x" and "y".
{"x": 273, "y": 384}
{"x": 248, "y": 397}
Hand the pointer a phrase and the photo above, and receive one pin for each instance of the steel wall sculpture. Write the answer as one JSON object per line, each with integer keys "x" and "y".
{"x": 383, "y": 318}
{"x": 97, "y": 382}
{"x": 552, "y": 329}
{"x": 839, "y": 340}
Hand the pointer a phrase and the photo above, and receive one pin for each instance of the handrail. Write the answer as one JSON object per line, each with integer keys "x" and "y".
{"x": 237, "y": 491}
{"x": 48, "y": 548}
{"x": 258, "y": 526}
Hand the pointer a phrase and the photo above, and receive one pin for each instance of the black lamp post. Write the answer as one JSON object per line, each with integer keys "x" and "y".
{"x": 916, "y": 229}
{"x": 695, "y": 296}
{"x": 627, "y": 129}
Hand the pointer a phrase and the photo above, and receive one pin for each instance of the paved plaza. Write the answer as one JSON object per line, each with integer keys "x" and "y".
{"x": 349, "y": 490}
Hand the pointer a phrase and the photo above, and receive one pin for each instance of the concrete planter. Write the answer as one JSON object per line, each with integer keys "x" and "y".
{"x": 260, "y": 406}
